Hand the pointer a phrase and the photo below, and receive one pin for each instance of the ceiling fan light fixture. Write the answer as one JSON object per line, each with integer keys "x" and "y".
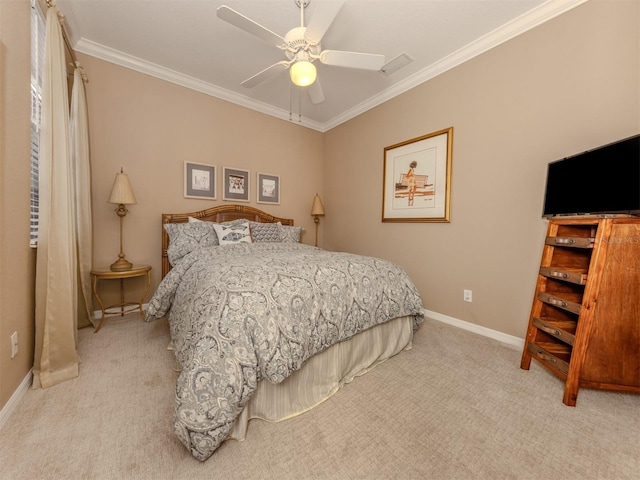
{"x": 303, "y": 73}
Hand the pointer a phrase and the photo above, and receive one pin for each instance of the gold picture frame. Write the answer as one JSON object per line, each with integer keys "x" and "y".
{"x": 417, "y": 179}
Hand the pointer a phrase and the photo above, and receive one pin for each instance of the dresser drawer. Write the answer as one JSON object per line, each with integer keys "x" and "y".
{"x": 563, "y": 330}
{"x": 573, "y": 276}
{"x": 576, "y": 242}
{"x": 542, "y": 352}
{"x": 557, "y": 301}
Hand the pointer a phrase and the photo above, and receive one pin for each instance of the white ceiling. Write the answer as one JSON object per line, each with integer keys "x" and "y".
{"x": 183, "y": 41}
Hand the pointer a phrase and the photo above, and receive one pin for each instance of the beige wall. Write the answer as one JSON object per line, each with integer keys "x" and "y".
{"x": 17, "y": 259}
{"x": 564, "y": 87}
{"x": 150, "y": 127}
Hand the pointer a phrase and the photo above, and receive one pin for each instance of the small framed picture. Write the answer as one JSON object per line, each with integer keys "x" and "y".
{"x": 268, "y": 188}
{"x": 235, "y": 184}
{"x": 199, "y": 181}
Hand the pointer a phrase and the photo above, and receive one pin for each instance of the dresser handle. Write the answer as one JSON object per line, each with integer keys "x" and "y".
{"x": 551, "y": 331}
{"x": 565, "y": 241}
{"x": 557, "y": 274}
{"x": 558, "y": 302}
{"x": 548, "y": 358}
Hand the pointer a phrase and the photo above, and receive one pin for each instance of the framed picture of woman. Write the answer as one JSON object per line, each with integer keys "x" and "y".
{"x": 417, "y": 179}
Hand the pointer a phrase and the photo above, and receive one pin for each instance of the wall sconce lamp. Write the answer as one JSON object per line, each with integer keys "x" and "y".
{"x": 317, "y": 211}
{"x": 121, "y": 195}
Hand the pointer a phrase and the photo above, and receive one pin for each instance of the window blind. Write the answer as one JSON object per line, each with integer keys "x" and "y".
{"x": 37, "y": 53}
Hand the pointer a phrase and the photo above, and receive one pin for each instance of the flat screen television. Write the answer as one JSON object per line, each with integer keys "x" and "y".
{"x": 602, "y": 181}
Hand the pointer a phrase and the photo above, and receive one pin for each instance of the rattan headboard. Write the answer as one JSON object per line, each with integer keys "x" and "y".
{"x": 219, "y": 214}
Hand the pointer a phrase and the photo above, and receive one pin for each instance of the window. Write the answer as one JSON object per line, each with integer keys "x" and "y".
{"x": 37, "y": 54}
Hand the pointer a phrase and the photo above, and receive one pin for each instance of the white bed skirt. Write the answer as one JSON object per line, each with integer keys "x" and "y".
{"x": 323, "y": 374}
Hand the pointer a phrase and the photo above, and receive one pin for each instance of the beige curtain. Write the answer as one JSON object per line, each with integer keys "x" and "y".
{"x": 79, "y": 145}
{"x": 56, "y": 358}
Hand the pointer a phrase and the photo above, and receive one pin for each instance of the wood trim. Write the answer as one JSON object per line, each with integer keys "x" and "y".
{"x": 218, "y": 214}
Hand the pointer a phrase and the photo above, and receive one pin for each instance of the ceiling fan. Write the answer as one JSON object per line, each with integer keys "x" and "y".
{"x": 301, "y": 46}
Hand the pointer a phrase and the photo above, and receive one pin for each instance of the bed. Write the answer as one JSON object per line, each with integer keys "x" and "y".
{"x": 264, "y": 326}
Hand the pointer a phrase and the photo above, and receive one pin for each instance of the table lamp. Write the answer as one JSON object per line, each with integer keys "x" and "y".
{"x": 121, "y": 195}
{"x": 317, "y": 211}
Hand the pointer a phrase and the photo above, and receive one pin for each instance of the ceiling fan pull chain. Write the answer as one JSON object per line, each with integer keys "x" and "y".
{"x": 290, "y": 102}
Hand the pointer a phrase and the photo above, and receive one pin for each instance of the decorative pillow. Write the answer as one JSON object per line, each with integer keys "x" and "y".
{"x": 266, "y": 232}
{"x": 233, "y": 233}
{"x": 291, "y": 234}
{"x": 187, "y": 237}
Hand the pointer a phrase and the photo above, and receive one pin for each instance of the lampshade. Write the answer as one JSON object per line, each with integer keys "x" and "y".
{"x": 317, "y": 208}
{"x": 303, "y": 73}
{"x": 121, "y": 192}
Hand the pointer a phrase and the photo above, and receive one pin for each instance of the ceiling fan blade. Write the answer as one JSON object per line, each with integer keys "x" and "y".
{"x": 234, "y": 18}
{"x": 265, "y": 74}
{"x": 365, "y": 61}
{"x": 315, "y": 92}
{"x": 322, "y": 20}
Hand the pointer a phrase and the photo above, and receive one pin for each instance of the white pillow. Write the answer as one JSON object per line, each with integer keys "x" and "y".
{"x": 237, "y": 233}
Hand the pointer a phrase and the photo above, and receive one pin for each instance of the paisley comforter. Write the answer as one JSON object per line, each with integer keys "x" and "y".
{"x": 244, "y": 312}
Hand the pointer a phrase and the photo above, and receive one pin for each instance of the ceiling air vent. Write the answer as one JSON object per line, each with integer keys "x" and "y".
{"x": 396, "y": 63}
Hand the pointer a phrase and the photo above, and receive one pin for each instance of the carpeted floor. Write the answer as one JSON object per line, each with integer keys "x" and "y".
{"x": 457, "y": 406}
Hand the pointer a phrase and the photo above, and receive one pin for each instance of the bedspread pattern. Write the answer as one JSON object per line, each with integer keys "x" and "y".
{"x": 240, "y": 313}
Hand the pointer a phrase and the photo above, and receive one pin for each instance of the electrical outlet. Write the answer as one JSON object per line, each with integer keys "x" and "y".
{"x": 468, "y": 297}
{"x": 14, "y": 344}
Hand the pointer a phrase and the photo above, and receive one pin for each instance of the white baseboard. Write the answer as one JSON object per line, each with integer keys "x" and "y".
{"x": 15, "y": 399}
{"x": 509, "y": 340}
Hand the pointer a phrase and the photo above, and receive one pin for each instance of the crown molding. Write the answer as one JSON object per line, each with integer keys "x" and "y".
{"x": 508, "y": 31}
{"x": 512, "y": 29}
{"x": 117, "y": 57}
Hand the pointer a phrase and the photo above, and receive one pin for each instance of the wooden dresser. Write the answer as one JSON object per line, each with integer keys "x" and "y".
{"x": 585, "y": 319}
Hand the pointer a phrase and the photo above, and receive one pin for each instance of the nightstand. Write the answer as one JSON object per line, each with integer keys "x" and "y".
{"x": 105, "y": 273}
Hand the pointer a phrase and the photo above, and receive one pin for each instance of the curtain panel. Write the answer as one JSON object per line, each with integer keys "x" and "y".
{"x": 79, "y": 144}
{"x": 64, "y": 234}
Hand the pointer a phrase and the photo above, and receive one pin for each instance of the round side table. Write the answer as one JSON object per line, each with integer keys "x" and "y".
{"x": 105, "y": 273}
